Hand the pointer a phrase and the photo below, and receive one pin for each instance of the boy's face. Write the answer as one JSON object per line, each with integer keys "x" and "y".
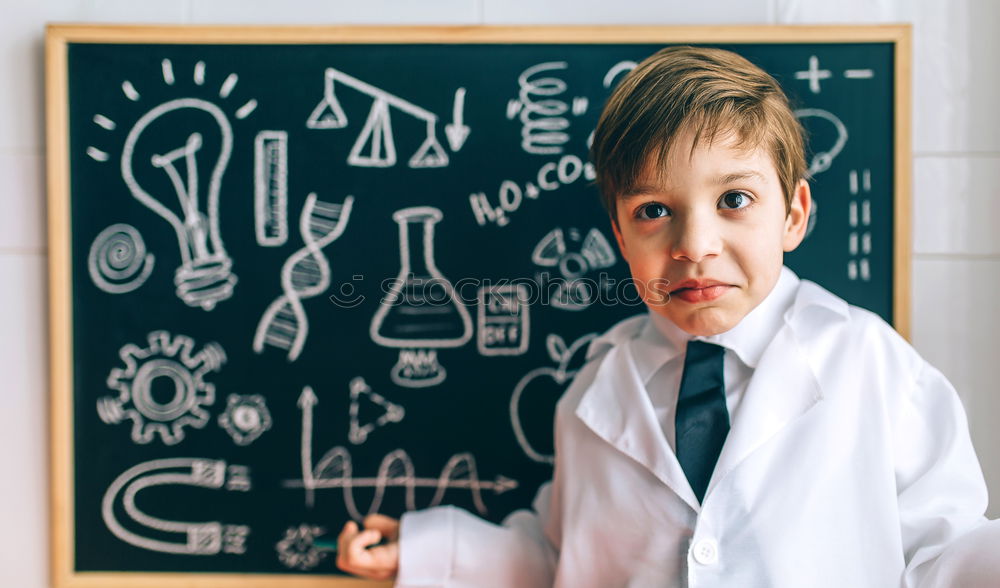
{"x": 705, "y": 242}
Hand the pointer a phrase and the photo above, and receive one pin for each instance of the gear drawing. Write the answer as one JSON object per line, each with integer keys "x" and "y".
{"x": 173, "y": 361}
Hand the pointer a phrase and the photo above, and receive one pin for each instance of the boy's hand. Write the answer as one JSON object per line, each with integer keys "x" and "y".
{"x": 377, "y": 563}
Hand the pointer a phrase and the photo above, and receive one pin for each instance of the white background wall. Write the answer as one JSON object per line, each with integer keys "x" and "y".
{"x": 956, "y": 156}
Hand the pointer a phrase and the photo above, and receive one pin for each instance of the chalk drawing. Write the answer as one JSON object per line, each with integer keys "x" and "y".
{"x": 173, "y": 362}
{"x": 545, "y": 381}
{"x": 859, "y": 244}
{"x": 246, "y": 418}
{"x": 542, "y": 115}
{"x": 391, "y": 412}
{"x": 305, "y": 274}
{"x": 270, "y": 202}
{"x": 823, "y": 159}
{"x": 376, "y": 145}
{"x": 503, "y": 320}
{"x": 457, "y": 131}
{"x": 297, "y": 550}
{"x": 421, "y": 313}
{"x": 144, "y": 531}
{"x": 814, "y": 74}
{"x": 335, "y": 470}
{"x": 193, "y": 174}
{"x": 594, "y": 251}
{"x": 551, "y": 176}
{"x": 118, "y": 262}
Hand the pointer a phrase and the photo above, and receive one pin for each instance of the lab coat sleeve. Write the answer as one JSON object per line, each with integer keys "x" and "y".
{"x": 448, "y": 546}
{"x": 942, "y": 496}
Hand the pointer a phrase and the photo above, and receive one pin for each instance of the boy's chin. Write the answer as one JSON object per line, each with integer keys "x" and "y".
{"x": 705, "y": 323}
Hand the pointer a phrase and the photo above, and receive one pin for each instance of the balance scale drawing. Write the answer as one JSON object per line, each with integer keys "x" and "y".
{"x": 190, "y": 538}
{"x": 304, "y": 275}
{"x": 375, "y": 145}
{"x": 335, "y": 470}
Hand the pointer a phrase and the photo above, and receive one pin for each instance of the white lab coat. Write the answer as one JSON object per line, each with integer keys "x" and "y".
{"x": 849, "y": 464}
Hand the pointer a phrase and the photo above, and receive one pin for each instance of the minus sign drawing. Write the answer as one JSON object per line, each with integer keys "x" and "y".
{"x": 859, "y": 74}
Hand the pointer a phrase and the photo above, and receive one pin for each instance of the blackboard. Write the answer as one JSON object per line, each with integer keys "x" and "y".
{"x": 300, "y": 275}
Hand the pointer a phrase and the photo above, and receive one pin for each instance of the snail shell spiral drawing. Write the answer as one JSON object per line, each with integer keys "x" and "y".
{"x": 118, "y": 261}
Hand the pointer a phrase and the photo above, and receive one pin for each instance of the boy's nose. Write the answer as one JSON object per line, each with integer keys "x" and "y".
{"x": 696, "y": 239}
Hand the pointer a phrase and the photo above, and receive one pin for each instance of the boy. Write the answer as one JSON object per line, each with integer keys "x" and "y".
{"x": 753, "y": 429}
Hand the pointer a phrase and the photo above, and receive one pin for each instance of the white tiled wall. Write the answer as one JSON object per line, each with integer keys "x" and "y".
{"x": 956, "y": 320}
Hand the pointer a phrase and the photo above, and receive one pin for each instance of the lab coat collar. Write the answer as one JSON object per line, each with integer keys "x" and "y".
{"x": 660, "y": 340}
{"x": 784, "y": 387}
{"x": 617, "y": 408}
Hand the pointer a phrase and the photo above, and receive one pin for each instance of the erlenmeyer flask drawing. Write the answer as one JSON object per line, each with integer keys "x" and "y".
{"x": 421, "y": 313}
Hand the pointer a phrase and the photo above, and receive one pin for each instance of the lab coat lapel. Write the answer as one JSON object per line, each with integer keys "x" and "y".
{"x": 782, "y": 389}
{"x": 618, "y": 409}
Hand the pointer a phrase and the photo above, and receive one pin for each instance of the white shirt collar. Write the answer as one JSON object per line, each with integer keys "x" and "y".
{"x": 660, "y": 340}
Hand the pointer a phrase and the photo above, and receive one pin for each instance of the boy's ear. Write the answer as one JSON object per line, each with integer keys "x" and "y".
{"x": 798, "y": 216}
{"x": 618, "y": 237}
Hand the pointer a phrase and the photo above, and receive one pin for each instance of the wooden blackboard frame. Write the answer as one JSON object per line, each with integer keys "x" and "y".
{"x": 58, "y": 38}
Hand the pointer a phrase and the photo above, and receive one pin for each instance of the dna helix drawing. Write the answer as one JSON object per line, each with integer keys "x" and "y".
{"x": 305, "y": 274}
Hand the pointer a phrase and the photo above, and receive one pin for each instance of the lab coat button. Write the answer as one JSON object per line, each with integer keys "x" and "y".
{"x": 706, "y": 552}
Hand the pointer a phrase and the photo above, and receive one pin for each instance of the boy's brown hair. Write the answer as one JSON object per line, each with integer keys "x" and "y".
{"x": 711, "y": 92}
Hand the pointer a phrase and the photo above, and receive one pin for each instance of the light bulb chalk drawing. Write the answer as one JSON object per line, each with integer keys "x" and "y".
{"x": 422, "y": 312}
{"x": 118, "y": 262}
{"x": 297, "y": 549}
{"x": 822, "y": 160}
{"x": 391, "y": 412}
{"x": 204, "y": 277}
{"x": 503, "y": 320}
{"x": 305, "y": 274}
{"x": 189, "y": 201}
{"x": 542, "y": 116}
{"x": 561, "y": 376}
{"x": 595, "y": 252}
{"x": 376, "y": 136}
{"x": 142, "y": 530}
{"x": 246, "y": 418}
{"x": 171, "y": 361}
{"x": 335, "y": 470}
{"x": 270, "y": 195}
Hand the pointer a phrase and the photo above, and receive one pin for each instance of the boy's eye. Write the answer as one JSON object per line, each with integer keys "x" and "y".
{"x": 653, "y": 210}
{"x": 734, "y": 200}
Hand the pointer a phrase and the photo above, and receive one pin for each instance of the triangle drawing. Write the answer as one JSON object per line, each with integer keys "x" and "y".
{"x": 360, "y": 392}
{"x": 376, "y": 139}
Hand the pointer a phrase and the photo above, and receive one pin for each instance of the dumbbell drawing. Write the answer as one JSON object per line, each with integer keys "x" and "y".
{"x": 304, "y": 275}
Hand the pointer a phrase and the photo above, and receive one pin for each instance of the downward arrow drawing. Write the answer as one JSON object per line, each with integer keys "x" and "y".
{"x": 456, "y": 131}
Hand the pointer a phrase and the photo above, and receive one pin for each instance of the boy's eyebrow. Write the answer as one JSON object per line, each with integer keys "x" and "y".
{"x": 739, "y": 175}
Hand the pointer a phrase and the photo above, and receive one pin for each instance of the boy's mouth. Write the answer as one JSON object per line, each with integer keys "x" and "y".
{"x": 700, "y": 290}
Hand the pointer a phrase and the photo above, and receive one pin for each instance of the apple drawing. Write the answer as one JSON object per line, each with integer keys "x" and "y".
{"x": 533, "y": 403}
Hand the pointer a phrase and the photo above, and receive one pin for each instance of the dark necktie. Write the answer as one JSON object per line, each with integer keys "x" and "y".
{"x": 702, "y": 419}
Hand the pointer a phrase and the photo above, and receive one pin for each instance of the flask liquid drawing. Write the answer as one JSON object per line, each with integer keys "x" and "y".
{"x": 422, "y": 312}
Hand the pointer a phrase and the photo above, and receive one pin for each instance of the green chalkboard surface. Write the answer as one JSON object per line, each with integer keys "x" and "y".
{"x": 309, "y": 281}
